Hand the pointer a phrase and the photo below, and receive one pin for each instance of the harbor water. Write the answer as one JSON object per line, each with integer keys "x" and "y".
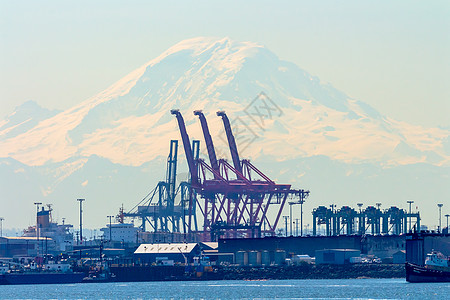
{"x": 270, "y": 289}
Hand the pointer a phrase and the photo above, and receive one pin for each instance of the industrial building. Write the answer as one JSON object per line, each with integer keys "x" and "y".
{"x": 172, "y": 253}
{"x": 399, "y": 257}
{"x": 336, "y": 256}
{"x": 419, "y": 244}
{"x": 379, "y": 246}
{"x": 120, "y": 232}
{"x": 22, "y": 246}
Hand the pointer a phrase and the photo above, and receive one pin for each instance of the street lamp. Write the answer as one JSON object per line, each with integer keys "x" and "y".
{"x": 285, "y": 224}
{"x": 1, "y": 226}
{"x": 37, "y": 226}
{"x": 360, "y": 207}
{"x": 447, "y": 215}
{"x": 290, "y": 217}
{"x": 410, "y": 217}
{"x": 81, "y": 219}
{"x": 110, "y": 227}
{"x": 440, "y": 207}
{"x": 302, "y": 200}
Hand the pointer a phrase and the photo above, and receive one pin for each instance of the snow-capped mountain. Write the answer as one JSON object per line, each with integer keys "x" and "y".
{"x": 279, "y": 112}
{"x": 25, "y": 117}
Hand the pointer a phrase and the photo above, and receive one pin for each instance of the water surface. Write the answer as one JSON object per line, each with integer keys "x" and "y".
{"x": 270, "y": 289}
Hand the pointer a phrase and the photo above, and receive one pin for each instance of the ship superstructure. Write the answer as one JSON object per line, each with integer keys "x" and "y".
{"x": 436, "y": 260}
{"x": 60, "y": 236}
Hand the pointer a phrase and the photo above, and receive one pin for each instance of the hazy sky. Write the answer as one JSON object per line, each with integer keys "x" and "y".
{"x": 394, "y": 55}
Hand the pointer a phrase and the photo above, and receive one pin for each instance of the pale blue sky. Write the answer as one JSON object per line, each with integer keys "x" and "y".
{"x": 393, "y": 55}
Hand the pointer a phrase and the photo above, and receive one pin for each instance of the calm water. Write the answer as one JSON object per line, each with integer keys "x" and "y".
{"x": 281, "y": 289}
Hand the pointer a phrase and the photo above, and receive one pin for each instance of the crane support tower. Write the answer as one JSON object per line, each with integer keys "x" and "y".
{"x": 162, "y": 211}
{"x": 372, "y": 220}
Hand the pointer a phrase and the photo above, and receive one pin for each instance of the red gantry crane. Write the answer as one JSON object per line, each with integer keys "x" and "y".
{"x": 236, "y": 199}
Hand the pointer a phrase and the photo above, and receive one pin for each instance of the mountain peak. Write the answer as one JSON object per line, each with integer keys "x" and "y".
{"x": 25, "y": 116}
{"x": 200, "y": 44}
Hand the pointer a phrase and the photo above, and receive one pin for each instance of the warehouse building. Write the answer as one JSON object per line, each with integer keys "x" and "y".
{"x": 171, "y": 253}
{"x": 336, "y": 256}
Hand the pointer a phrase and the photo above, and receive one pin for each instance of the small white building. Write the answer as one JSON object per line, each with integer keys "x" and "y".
{"x": 298, "y": 259}
{"x": 121, "y": 232}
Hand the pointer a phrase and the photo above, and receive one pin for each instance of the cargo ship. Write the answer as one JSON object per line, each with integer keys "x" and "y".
{"x": 436, "y": 269}
{"x": 50, "y": 274}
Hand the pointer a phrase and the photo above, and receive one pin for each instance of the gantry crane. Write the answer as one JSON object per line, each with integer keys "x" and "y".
{"x": 233, "y": 204}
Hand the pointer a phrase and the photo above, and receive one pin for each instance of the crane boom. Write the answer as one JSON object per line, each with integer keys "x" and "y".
{"x": 187, "y": 146}
{"x": 208, "y": 141}
{"x": 231, "y": 141}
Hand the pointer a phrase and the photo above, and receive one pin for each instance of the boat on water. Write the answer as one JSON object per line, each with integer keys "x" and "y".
{"x": 42, "y": 278}
{"x": 436, "y": 269}
{"x": 53, "y": 273}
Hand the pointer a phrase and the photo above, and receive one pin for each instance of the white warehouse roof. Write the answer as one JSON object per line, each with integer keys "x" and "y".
{"x": 165, "y": 248}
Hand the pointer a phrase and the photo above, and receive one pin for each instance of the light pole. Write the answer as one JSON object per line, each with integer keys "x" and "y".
{"x": 37, "y": 220}
{"x": 1, "y": 226}
{"x": 447, "y": 215}
{"x": 110, "y": 227}
{"x": 301, "y": 214}
{"x": 410, "y": 217}
{"x": 440, "y": 207}
{"x": 290, "y": 217}
{"x": 285, "y": 224}
{"x": 360, "y": 207}
{"x": 37, "y": 227}
{"x": 81, "y": 219}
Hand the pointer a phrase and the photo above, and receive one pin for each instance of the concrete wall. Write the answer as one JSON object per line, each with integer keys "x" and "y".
{"x": 292, "y": 245}
{"x": 10, "y": 247}
{"x": 440, "y": 243}
{"x": 381, "y": 246}
{"x": 419, "y": 244}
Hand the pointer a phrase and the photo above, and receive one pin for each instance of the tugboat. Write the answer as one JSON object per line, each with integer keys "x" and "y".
{"x": 436, "y": 269}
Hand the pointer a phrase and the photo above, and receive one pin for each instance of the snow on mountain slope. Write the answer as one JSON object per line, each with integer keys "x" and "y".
{"x": 129, "y": 123}
{"x": 25, "y": 117}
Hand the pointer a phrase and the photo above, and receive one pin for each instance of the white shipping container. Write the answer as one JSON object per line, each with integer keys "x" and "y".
{"x": 355, "y": 260}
